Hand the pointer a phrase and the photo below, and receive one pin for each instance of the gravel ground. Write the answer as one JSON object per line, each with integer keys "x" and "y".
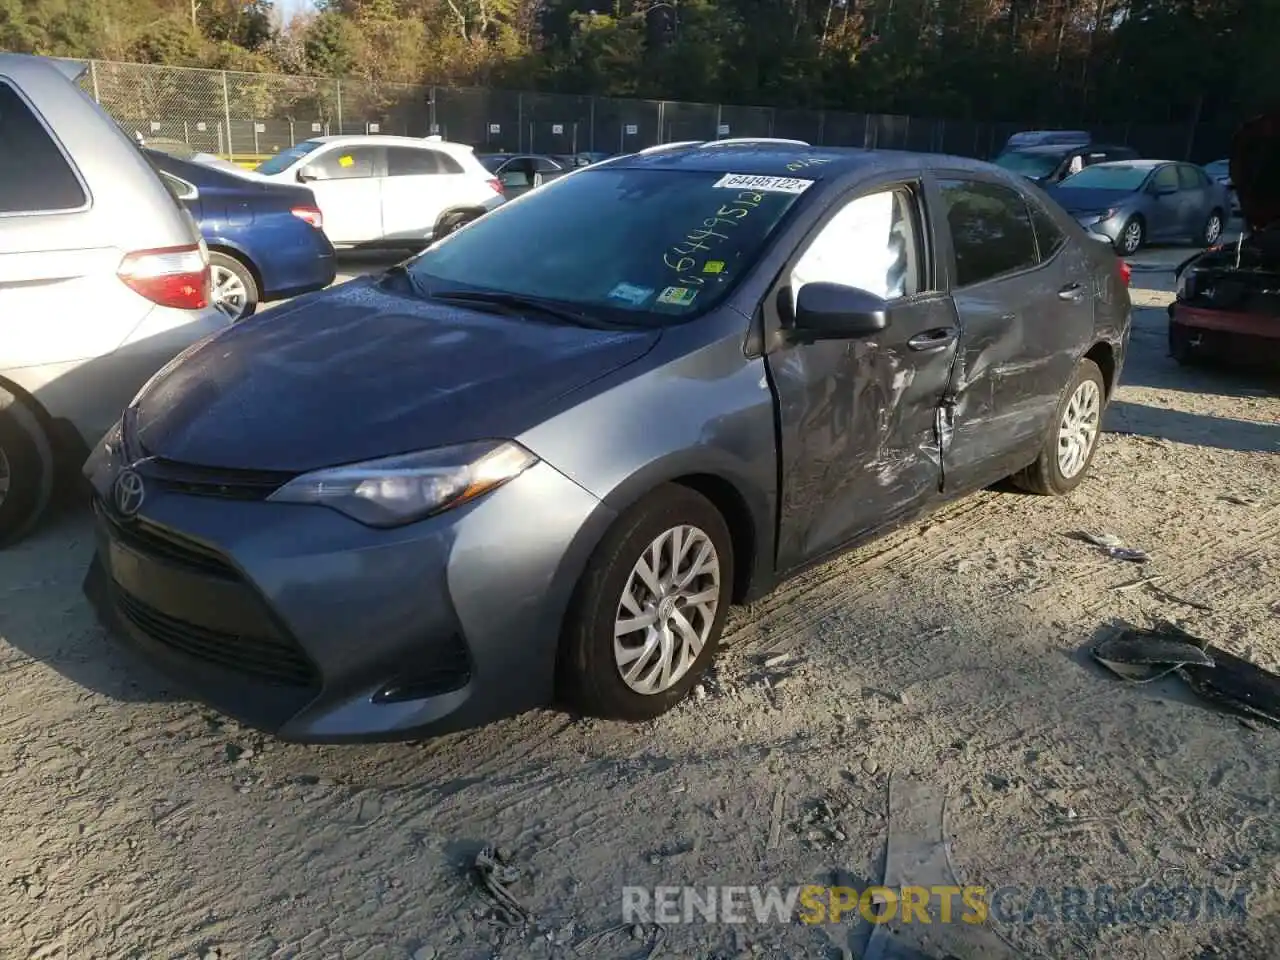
{"x": 136, "y": 825}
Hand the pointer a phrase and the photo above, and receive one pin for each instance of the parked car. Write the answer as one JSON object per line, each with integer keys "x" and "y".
{"x": 383, "y": 191}
{"x": 541, "y": 459}
{"x": 1220, "y": 172}
{"x": 521, "y": 172}
{"x": 1138, "y": 201}
{"x": 583, "y": 159}
{"x": 266, "y": 240}
{"x": 1041, "y": 138}
{"x": 1049, "y": 163}
{"x": 1227, "y": 303}
{"x": 103, "y": 279}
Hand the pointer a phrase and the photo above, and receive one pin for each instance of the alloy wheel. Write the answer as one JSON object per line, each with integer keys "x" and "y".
{"x": 667, "y": 610}
{"x": 1078, "y": 430}
{"x": 1132, "y": 238}
{"x": 229, "y": 293}
{"x": 6, "y": 476}
{"x": 1213, "y": 230}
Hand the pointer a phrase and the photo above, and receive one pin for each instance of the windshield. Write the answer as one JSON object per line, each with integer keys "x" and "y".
{"x": 1107, "y": 176}
{"x": 668, "y": 243}
{"x": 287, "y": 158}
{"x": 1219, "y": 168}
{"x": 1029, "y": 164}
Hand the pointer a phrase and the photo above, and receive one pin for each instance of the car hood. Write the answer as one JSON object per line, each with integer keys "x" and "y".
{"x": 1255, "y": 169}
{"x": 1083, "y": 200}
{"x": 360, "y": 372}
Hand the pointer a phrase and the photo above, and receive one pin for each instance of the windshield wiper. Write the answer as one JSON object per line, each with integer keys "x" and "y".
{"x": 513, "y": 304}
{"x": 401, "y": 270}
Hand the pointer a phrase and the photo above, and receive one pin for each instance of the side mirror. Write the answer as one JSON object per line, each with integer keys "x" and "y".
{"x": 832, "y": 311}
{"x": 308, "y": 173}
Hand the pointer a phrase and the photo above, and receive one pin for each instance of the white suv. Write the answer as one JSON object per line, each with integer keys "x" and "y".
{"x": 388, "y": 191}
{"x": 103, "y": 280}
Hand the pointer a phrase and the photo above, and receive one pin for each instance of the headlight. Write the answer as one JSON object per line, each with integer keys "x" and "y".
{"x": 397, "y": 490}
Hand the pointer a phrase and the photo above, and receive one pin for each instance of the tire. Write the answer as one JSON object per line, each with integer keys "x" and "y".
{"x": 27, "y": 470}
{"x": 1132, "y": 236}
{"x": 1046, "y": 475}
{"x": 234, "y": 277}
{"x": 592, "y": 678}
{"x": 1211, "y": 233}
{"x": 453, "y": 223}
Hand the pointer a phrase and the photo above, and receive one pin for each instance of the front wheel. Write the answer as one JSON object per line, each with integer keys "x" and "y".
{"x": 1212, "y": 231}
{"x": 1073, "y": 436}
{"x": 647, "y": 616}
{"x": 1132, "y": 235}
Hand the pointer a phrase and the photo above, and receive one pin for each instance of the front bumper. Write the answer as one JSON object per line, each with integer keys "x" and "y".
{"x": 1109, "y": 227}
{"x": 303, "y": 623}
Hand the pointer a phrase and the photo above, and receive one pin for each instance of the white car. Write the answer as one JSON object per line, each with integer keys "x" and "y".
{"x": 388, "y": 191}
{"x": 103, "y": 280}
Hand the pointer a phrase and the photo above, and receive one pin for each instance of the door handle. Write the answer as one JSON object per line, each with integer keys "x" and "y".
{"x": 1073, "y": 292}
{"x": 933, "y": 339}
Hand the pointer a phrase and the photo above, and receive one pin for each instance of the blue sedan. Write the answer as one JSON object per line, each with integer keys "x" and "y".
{"x": 266, "y": 240}
{"x": 1134, "y": 202}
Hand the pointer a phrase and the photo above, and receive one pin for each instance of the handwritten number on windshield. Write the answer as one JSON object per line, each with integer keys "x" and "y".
{"x": 714, "y": 229}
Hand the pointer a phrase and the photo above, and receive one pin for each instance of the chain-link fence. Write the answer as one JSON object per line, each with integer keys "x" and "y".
{"x": 248, "y": 115}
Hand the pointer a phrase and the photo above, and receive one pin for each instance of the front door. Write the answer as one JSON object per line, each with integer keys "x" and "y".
{"x": 348, "y": 191}
{"x": 519, "y": 175}
{"x": 858, "y": 443}
{"x": 1165, "y": 210}
{"x": 1021, "y": 316}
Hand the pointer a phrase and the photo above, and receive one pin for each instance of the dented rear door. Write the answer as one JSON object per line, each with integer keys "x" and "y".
{"x": 1017, "y": 315}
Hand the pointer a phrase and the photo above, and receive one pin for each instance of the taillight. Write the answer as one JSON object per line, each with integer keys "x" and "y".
{"x": 312, "y": 215}
{"x": 169, "y": 276}
{"x": 1126, "y": 271}
{"x": 496, "y": 186}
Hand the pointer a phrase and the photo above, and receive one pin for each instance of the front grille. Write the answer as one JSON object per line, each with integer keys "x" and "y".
{"x": 270, "y": 659}
{"x": 161, "y": 543}
{"x": 212, "y": 481}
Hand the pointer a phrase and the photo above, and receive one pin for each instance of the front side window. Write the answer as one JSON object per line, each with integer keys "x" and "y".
{"x": 1190, "y": 178}
{"x": 286, "y": 158}
{"x": 35, "y": 177}
{"x": 652, "y": 246}
{"x": 348, "y": 163}
{"x": 1166, "y": 178}
{"x": 543, "y": 165}
{"x": 991, "y": 232}
{"x": 871, "y": 243}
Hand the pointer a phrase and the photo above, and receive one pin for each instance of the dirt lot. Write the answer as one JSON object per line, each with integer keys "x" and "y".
{"x": 135, "y": 825}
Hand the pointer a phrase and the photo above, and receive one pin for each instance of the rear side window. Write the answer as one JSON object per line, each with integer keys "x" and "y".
{"x": 991, "y": 230}
{"x": 34, "y": 175}
{"x": 543, "y": 165}
{"x": 1049, "y": 236}
{"x": 411, "y": 162}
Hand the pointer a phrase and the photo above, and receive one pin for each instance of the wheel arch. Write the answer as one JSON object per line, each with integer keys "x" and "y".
{"x": 467, "y": 209}
{"x": 69, "y": 447}
{"x": 1103, "y": 354}
{"x": 242, "y": 256}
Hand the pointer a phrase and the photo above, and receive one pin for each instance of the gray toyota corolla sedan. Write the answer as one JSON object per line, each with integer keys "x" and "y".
{"x": 538, "y": 462}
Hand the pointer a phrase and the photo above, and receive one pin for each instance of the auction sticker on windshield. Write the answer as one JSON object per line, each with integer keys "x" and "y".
{"x": 677, "y": 296}
{"x": 746, "y": 181}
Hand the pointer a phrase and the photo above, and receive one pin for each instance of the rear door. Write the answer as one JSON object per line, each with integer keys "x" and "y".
{"x": 545, "y": 170}
{"x": 517, "y": 176}
{"x": 415, "y": 192}
{"x": 348, "y": 191}
{"x": 858, "y": 444}
{"x": 1195, "y": 198}
{"x": 1018, "y": 313}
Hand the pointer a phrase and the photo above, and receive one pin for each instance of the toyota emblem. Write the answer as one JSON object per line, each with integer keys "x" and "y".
{"x": 129, "y": 492}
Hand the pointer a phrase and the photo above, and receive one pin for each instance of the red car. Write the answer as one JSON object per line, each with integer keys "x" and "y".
{"x": 1228, "y": 298}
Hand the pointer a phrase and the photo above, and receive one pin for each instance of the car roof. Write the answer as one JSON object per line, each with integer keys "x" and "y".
{"x": 1137, "y": 164}
{"x": 390, "y": 140}
{"x": 779, "y": 158}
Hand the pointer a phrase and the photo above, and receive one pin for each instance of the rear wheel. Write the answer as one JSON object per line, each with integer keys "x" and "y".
{"x": 1212, "y": 231}
{"x": 1073, "y": 436}
{"x": 648, "y": 613}
{"x": 1132, "y": 235}
{"x": 453, "y": 223}
{"x": 27, "y": 469}
{"x": 235, "y": 292}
